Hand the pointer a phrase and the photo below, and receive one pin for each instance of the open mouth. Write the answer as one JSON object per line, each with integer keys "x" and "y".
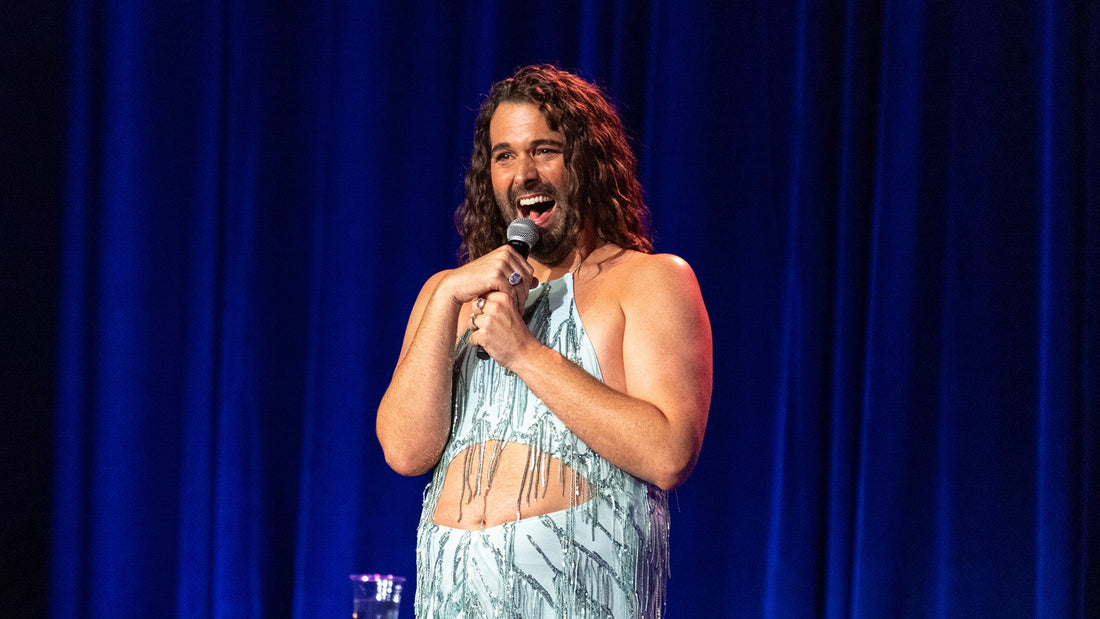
{"x": 536, "y": 208}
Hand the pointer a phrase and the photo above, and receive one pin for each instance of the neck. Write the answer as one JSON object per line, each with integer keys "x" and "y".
{"x": 588, "y": 243}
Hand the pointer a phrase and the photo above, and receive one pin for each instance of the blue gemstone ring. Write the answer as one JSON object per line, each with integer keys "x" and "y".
{"x": 514, "y": 278}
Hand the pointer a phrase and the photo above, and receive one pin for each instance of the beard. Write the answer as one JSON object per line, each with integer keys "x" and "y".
{"x": 557, "y": 239}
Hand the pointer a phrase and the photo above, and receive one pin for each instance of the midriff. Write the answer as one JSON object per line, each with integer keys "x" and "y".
{"x": 523, "y": 485}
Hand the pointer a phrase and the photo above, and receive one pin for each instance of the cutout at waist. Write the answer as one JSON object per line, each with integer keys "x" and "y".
{"x": 495, "y": 482}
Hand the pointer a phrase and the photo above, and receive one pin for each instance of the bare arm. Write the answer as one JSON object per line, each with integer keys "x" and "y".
{"x": 654, "y": 427}
{"x": 414, "y": 416}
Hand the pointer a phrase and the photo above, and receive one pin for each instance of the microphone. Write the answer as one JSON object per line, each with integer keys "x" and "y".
{"x": 521, "y": 236}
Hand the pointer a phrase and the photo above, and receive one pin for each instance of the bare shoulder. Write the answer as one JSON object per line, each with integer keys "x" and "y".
{"x": 655, "y": 288}
{"x": 646, "y": 319}
{"x": 654, "y": 275}
{"x": 667, "y": 343}
{"x": 661, "y": 265}
{"x": 660, "y": 295}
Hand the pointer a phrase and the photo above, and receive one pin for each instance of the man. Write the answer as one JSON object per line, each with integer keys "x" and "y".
{"x": 553, "y": 457}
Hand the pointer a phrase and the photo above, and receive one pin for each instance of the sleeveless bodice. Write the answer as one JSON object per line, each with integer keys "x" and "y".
{"x": 492, "y": 405}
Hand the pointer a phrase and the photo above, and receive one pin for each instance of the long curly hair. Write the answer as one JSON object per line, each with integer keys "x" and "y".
{"x": 601, "y": 165}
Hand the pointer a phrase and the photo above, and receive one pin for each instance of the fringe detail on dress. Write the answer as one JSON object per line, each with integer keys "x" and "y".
{"x": 461, "y": 575}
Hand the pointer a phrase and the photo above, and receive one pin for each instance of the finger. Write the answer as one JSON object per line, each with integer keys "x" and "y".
{"x": 497, "y": 304}
{"x": 494, "y": 301}
{"x": 516, "y": 296}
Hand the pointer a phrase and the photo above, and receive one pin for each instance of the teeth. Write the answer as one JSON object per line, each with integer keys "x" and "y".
{"x": 535, "y": 200}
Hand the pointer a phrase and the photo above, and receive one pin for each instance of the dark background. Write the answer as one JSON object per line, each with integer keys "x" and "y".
{"x": 33, "y": 57}
{"x": 208, "y": 222}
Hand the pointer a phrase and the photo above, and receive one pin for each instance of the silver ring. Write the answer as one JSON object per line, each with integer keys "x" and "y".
{"x": 473, "y": 325}
{"x": 480, "y": 303}
{"x": 515, "y": 278}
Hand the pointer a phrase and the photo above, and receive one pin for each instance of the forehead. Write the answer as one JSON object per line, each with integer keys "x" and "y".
{"x": 519, "y": 123}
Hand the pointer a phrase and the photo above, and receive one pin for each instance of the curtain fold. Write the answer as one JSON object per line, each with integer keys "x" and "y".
{"x": 891, "y": 208}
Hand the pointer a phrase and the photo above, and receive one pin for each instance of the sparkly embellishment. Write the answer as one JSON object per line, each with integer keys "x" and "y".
{"x": 604, "y": 556}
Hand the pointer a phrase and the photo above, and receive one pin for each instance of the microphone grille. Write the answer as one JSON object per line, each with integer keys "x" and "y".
{"x": 523, "y": 230}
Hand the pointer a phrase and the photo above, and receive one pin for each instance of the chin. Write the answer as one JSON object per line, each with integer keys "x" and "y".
{"x": 552, "y": 253}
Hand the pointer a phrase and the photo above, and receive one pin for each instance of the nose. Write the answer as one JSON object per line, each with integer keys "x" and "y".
{"x": 526, "y": 171}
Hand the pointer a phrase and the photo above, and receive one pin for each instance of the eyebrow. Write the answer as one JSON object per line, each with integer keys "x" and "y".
{"x": 534, "y": 144}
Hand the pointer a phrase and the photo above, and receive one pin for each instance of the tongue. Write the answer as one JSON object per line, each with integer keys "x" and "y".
{"x": 540, "y": 216}
{"x": 539, "y": 210}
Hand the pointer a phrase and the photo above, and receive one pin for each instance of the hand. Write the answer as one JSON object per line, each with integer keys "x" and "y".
{"x": 497, "y": 326}
{"x": 490, "y": 273}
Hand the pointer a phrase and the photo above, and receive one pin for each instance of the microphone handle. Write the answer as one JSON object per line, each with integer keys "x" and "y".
{"x": 520, "y": 246}
{"x": 523, "y": 249}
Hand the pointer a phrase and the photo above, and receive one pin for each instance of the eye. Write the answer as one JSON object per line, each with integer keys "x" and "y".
{"x": 502, "y": 156}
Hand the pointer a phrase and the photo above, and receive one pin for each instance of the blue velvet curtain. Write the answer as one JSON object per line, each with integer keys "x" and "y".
{"x": 893, "y": 209}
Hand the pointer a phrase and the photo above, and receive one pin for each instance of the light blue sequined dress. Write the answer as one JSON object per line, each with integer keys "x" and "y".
{"x": 602, "y": 557}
